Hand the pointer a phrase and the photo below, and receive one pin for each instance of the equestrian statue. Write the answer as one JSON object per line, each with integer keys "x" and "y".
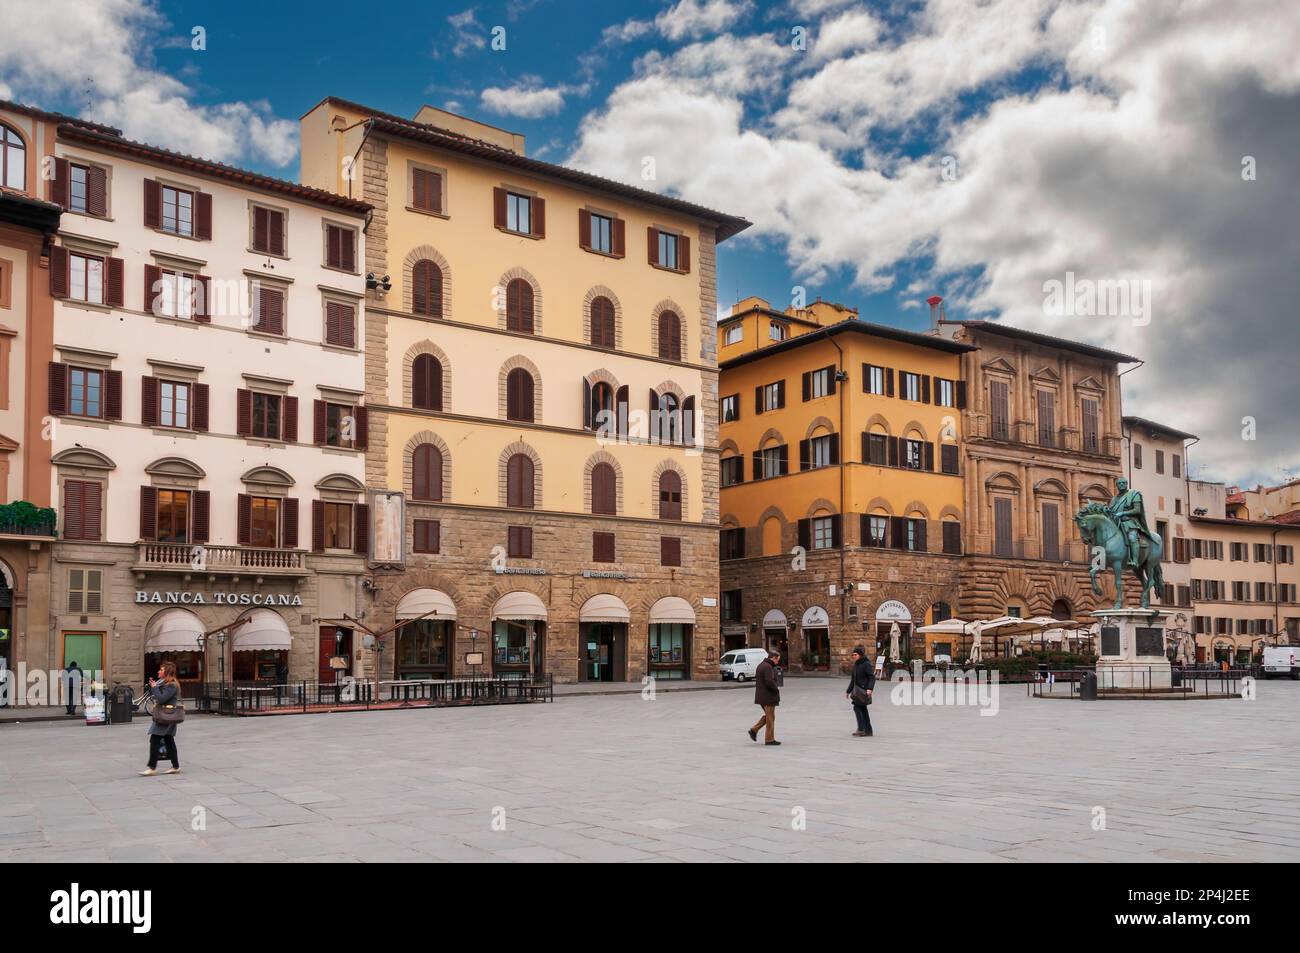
{"x": 1117, "y": 536}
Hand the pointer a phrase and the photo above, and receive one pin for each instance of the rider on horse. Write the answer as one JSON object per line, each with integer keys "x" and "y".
{"x": 1129, "y": 513}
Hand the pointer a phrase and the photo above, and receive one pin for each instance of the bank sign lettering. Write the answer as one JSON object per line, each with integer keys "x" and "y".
{"x": 145, "y": 597}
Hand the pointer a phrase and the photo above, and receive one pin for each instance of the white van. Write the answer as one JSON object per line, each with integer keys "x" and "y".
{"x": 741, "y": 664}
{"x": 1282, "y": 660}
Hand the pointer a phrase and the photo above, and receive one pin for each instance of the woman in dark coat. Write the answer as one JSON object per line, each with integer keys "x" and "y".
{"x": 162, "y": 738}
{"x": 863, "y": 678}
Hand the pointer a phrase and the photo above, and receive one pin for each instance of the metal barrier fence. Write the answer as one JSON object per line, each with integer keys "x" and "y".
{"x": 1185, "y": 682}
{"x": 305, "y": 696}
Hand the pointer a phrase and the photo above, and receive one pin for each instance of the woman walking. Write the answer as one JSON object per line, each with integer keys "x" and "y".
{"x": 862, "y": 682}
{"x": 162, "y": 737}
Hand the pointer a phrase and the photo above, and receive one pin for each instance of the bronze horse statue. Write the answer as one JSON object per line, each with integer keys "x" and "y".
{"x": 1105, "y": 538}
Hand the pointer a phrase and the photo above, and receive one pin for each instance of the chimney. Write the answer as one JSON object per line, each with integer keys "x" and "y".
{"x": 937, "y": 312}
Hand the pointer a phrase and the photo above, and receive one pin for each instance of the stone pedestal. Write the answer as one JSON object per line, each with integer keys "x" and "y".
{"x": 1133, "y": 653}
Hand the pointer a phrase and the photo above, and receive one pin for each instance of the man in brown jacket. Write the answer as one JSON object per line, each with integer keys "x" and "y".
{"x": 768, "y": 696}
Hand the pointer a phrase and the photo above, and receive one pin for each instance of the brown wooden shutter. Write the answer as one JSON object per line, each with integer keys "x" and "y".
{"x": 499, "y": 207}
{"x": 318, "y": 526}
{"x": 835, "y": 449}
{"x": 927, "y": 456}
{"x": 203, "y": 215}
{"x": 830, "y": 380}
{"x": 622, "y": 407}
{"x": 670, "y": 495}
{"x": 199, "y": 412}
{"x": 114, "y": 284}
{"x": 270, "y": 310}
{"x": 152, "y": 204}
{"x": 756, "y": 466}
{"x": 243, "y": 412}
{"x": 780, "y": 395}
{"x": 758, "y": 399}
{"x": 893, "y": 454}
{"x": 289, "y": 523}
{"x": 866, "y": 447}
{"x": 289, "y": 429}
{"x": 320, "y": 425}
{"x": 961, "y": 395}
{"x": 602, "y": 547}
{"x": 670, "y": 550}
{"x": 584, "y": 229}
{"x": 1002, "y": 527}
{"x": 203, "y": 311}
{"x": 683, "y": 254}
{"x": 805, "y": 448}
{"x": 539, "y": 217}
{"x": 360, "y": 428}
{"x": 688, "y": 420}
{"x": 925, "y": 388}
{"x": 260, "y": 228}
{"x": 148, "y": 513}
{"x": 422, "y": 379}
{"x": 201, "y": 519}
{"x": 96, "y": 191}
{"x": 604, "y": 498}
{"x": 244, "y": 519}
{"x": 92, "y": 510}
{"x": 784, "y": 451}
{"x": 805, "y": 533}
{"x": 58, "y": 272}
{"x": 149, "y": 401}
{"x": 1051, "y": 532}
{"x": 618, "y": 238}
{"x": 60, "y": 184}
{"x": 275, "y": 235}
{"x": 152, "y": 289}
{"x": 889, "y": 382}
{"x": 361, "y": 528}
{"x": 807, "y": 385}
{"x": 58, "y": 391}
{"x": 112, "y": 395}
{"x": 652, "y": 245}
{"x": 74, "y": 505}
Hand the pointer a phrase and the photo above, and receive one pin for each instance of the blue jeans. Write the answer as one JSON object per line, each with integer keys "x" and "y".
{"x": 863, "y": 714}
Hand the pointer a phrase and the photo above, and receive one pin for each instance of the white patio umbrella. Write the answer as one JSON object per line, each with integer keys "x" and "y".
{"x": 894, "y": 633}
{"x": 953, "y": 627}
{"x": 1054, "y": 629}
{"x": 1009, "y": 625}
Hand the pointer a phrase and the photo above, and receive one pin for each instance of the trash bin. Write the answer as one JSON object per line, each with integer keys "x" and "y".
{"x": 119, "y": 705}
{"x": 1088, "y": 687}
{"x": 1176, "y": 676}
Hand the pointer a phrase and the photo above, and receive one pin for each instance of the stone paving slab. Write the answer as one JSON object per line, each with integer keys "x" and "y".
{"x": 623, "y": 779}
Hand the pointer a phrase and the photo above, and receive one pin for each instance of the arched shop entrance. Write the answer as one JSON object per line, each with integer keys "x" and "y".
{"x": 173, "y": 635}
{"x": 776, "y": 635}
{"x": 426, "y": 642}
{"x": 672, "y": 623}
{"x": 892, "y": 611}
{"x": 518, "y": 634}
{"x": 816, "y": 625}
{"x": 602, "y": 633}
{"x": 260, "y": 649}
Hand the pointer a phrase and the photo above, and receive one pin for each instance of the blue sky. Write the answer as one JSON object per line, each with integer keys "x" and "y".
{"x": 885, "y": 150}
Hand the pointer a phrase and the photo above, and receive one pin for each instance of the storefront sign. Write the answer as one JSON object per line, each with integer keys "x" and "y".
{"x": 518, "y": 571}
{"x": 603, "y": 574}
{"x": 815, "y": 617}
{"x": 159, "y": 598}
{"x": 709, "y": 602}
{"x": 891, "y": 610}
{"x": 387, "y": 528}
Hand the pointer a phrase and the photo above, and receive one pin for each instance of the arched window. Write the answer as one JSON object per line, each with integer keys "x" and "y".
{"x": 426, "y": 383}
{"x": 519, "y": 481}
{"x": 602, "y": 322}
{"x": 426, "y": 473}
{"x": 426, "y": 289}
{"x": 670, "y": 495}
{"x": 670, "y": 336}
{"x": 13, "y": 159}
{"x": 602, "y": 402}
{"x": 519, "y": 395}
{"x": 519, "y": 306}
{"x": 669, "y": 418}
{"x": 604, "y": 490}
{"x": 940, "y": 612}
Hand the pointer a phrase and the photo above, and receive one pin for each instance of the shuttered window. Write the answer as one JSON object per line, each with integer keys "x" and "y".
{"x": 670, "y": 336}
{"x": 87, "y": 187}
{"x": 268, "y": 230}
{"x": 340, "y": 248}
{"x": 426, "y": 288}
{"x": 85, "y": 591}
{"x": 1046, "y": 418}
{"x": 732, "y": 543}
{"x": 949, "y": 458}
{"x": 340, "y": 324}
{"x": 426, "y": 190}
{"x": 519, "y": 542}
{"x": 670, "y": 550}
{"x": 82, "y": 501}
{"x": 519, "y": 481}
{"x": 426, "y": 473}
{"x": 428, "y": 536}
{"x": 519, "y": 306}
{"x": 602, "y": 548}
{"x": 519, "y": 395}
{"x": 426, "y": 382}
{"x": 602, "y": 322}
{"x": 1051, "y": 532}
{"x": 604, "y": 490}
{"x": 670, "y": 495}
{"x": 1002, "y": 526}
{"x": 952, "y": 538}
{"x": 1090, "y": 439}
{"x": 268, "y": 310}
{"x": 733, "y": 470}
{"x": 999, "y": 410}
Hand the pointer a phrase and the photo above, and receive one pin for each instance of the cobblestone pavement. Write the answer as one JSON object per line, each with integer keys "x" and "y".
{"x": 619, "y": 778}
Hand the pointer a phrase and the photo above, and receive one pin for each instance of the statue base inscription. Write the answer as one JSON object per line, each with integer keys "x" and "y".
{"x": 1133, "y": 652}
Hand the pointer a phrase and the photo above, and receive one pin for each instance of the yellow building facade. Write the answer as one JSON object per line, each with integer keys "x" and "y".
{"x": 841, "y": 483}
{"x": 542, "y": 385}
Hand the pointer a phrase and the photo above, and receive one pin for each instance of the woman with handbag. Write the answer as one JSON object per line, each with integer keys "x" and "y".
{"x": 862, "y": 682}
{"x": 167, "y": 714}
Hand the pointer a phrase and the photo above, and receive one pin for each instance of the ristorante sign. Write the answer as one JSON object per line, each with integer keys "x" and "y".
{"x": 160, "y": 598}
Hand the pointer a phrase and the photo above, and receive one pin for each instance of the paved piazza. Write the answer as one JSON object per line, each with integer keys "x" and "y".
{"x": 618, "y": 778}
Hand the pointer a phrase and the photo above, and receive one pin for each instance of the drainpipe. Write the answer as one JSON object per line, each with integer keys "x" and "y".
{"x": 841, "y": 380}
